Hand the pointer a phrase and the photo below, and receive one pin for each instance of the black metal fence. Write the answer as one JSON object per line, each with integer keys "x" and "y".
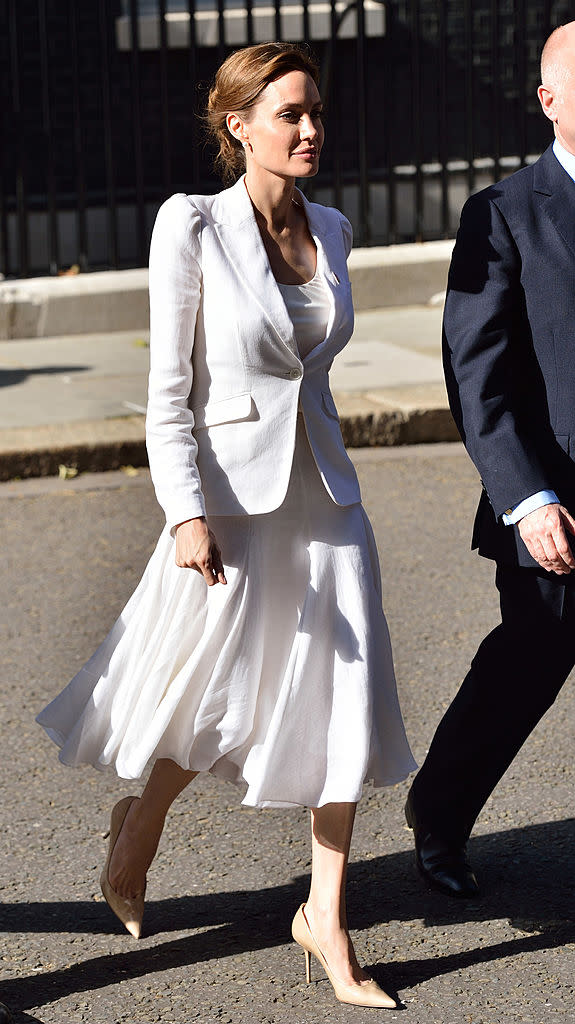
{"x": 426, "y": 101}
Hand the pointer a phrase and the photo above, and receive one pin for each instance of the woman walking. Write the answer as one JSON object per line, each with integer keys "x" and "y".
{"x": 255, "y": 646}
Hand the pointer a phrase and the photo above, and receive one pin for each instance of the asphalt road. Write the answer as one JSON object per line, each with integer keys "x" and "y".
{"x": 228, "y": 879}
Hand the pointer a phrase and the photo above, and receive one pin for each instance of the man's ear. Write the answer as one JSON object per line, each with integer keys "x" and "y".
{"x": 237, "y": 128}
{"x": 548, "y": 102}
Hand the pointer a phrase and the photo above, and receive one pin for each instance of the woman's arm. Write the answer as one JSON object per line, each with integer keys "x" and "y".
{"x": 175, "y": 288}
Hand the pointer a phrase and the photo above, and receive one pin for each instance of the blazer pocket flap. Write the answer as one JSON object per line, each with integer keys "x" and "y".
{"x": 329, "y": 404}
{"x": 228, "y": 410}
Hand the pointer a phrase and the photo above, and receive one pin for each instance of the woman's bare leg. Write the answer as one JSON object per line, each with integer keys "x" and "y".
{"x": 138, "y": 841}
{"x": 325, "y": 910}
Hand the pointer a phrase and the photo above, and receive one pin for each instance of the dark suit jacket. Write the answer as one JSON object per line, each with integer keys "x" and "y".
{"x": 509, "y": 345}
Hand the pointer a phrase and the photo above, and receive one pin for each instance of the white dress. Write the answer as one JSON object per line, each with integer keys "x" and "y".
{"x": 282, "y": 681}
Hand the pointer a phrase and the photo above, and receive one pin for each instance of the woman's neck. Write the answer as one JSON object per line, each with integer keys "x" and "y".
{"x": 272, "y": 199}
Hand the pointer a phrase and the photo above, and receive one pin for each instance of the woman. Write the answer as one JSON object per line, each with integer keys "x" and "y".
{"x": 270, "y": 665}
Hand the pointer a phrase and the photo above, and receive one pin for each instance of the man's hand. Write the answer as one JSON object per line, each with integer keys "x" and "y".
{"x": 545, "y": 534}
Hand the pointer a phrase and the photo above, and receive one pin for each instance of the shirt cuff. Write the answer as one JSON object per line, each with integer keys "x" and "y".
{"x": 513, "y": 516}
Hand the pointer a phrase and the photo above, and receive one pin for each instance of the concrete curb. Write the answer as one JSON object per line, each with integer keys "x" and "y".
{"x": 397, "y": 427}
{"x": 45, "y": 307}
{"x": 399, "y": 275}
{"x": 85, "y": 446}
{"x": 96, "y": 458}
{"x": 91, "y": 447}
{"x": 117, "y": 300}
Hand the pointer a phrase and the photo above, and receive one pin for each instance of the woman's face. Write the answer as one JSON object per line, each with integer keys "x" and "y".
{"x": 284, "y": 134}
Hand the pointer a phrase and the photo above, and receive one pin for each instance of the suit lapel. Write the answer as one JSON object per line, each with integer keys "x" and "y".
{"x": 331, "y": 263}
{"x": 557, "y": 191}
{"x": 237, "y": 226}
{"x": 239, "y": 231}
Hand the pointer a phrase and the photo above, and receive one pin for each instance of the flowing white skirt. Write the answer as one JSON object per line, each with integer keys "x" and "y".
{"x": 281, "y": 681}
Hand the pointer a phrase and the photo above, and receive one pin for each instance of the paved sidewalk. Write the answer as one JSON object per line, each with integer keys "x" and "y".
{"x": 227, "y": 879}
{"x": 79, "y": 400}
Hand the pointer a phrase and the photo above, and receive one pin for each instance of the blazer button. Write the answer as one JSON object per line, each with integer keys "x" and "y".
{"x": 295, "y": 374}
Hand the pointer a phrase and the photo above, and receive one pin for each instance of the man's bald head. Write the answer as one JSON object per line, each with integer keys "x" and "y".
{"x": 558, "y": 58}
{"x": 557, "y": 91}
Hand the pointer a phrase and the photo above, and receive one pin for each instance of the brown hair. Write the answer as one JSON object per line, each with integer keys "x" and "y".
{"x": 237, "y": 87}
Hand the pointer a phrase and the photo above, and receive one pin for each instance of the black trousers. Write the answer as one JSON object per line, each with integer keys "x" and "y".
{"x": 514, "y": 678}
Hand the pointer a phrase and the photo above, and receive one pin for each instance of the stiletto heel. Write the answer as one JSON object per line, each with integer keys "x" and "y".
{"x": 307, "y": 955}
{"x": 368, "y": 994}
{"x": 129, "y": 910}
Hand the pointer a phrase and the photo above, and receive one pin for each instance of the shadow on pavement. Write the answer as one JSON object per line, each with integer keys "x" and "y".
{"x": 8, "y": 378}
{"x": 527, "y": 875}
{"x": 24, "y": 1018}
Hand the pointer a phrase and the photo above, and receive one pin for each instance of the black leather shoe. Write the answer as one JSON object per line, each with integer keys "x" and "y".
{"x": 442, "y": 864}
{"x": 5, "y": 1015}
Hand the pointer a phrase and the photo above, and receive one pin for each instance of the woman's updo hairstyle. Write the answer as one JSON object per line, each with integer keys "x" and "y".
{"x": 236, "y": 89}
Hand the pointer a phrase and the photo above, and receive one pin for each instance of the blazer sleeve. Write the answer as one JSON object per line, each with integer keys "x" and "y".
{"x": 487, "y": 352}
{"x": 347, "y": 232}
{"x": 175, "y": 289}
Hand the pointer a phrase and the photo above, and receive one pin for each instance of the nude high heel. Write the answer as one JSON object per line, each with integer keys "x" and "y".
{"x": 129, "y": 910}
{"x": 367, "y": 994}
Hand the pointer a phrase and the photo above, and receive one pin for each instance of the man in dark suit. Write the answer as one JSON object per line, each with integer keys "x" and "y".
{"x": 509, "y": 356}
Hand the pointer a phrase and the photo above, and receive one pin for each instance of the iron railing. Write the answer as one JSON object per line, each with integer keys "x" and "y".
{"x": 427, "y": 100}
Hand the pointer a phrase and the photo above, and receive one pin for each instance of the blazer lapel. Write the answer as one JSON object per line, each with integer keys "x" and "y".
{"x": 557, "y": 190}
{"x": 238, "y": 229}
{"x": 237, "y": 226}
{"x": 331, "y": 265}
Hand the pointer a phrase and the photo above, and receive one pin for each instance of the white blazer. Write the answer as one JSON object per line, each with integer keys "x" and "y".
{"x": 226, "y": 379}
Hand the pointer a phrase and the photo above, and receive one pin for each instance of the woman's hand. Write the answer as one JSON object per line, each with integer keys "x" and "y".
{"x": 197, "y": 548}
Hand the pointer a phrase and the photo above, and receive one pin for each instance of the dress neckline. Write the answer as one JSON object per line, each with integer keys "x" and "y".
{"x": 302, "y": 284}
